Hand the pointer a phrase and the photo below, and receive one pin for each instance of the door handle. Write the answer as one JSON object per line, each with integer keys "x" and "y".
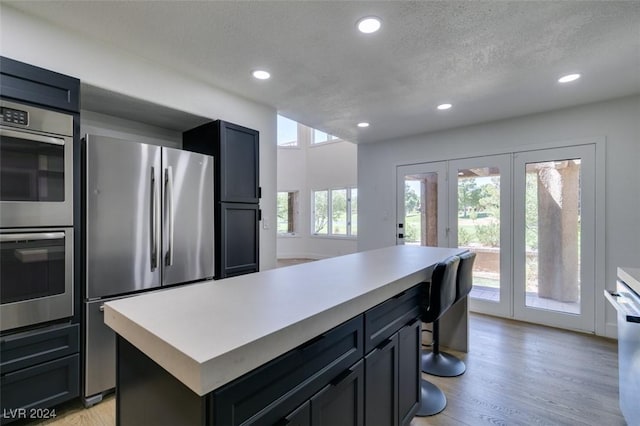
{"x": 154, "y": 220}
{"x": 168, "y": 182}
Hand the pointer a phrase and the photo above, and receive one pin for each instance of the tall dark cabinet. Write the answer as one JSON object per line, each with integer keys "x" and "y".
{"x": 40, "y": 363}
{"x": 237, "y": 193}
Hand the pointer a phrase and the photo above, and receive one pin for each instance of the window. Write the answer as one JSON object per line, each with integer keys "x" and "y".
{"x": 286, "y": 204}
{"x": 335, "y": 212}
{"x": 287, "y": 131}
{"x": 320, "y": 137}
{"x": 320, "y": 212}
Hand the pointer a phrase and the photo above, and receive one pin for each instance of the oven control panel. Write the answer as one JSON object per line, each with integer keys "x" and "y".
{"x": 14, "y": 116}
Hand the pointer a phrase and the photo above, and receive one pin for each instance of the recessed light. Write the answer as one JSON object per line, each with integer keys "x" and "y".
{"x": 568, "y": 78}
{"x": 369, "y": 25}
{"x": 261, "y": 74}
{"x": 363, "y": 124}
{"x": 444, "y": 106}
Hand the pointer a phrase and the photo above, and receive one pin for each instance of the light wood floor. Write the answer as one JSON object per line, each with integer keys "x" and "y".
{"x": 517, "y": 374}
{"x": 524, "y": 374}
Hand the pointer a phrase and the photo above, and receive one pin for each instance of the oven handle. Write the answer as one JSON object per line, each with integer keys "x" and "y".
{"x": 6, "y": 238}
{"x": 31, "y": 137}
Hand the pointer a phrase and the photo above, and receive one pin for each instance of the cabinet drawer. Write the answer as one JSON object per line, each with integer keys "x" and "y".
{"x": 289, "y": 380}
{"x": 44, "y": 385}
{"x": 381, "y": 321}
{"x": 29, "y": 83}
{"x": 26, "y": 349}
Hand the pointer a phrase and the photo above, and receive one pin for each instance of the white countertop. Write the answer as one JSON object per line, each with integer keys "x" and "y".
{"x": 210, "y": 333}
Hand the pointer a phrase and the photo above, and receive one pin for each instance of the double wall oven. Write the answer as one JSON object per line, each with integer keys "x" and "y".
{"x": 36, "y": 215}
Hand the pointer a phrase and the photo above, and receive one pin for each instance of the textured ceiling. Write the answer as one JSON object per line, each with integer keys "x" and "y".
{"x": 490, "y": 59}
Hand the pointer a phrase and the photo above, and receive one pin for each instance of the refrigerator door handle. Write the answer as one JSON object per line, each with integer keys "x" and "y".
{"x": 168, "y": 182}
{"x": 154, "y": 220}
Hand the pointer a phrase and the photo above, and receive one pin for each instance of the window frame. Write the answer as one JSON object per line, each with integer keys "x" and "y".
{"x": 329, "y": 213}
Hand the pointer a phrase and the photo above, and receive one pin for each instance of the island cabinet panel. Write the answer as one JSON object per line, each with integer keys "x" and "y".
{"x": 329, "y": 380}
{"x": 381, "y": 395}
{"x": 146, "y": 394}
{"x": 341, "y": 402}
{"x": 409, "y": 348}
{"x": 267, "y": 394}
{"x": 382, "y": 321}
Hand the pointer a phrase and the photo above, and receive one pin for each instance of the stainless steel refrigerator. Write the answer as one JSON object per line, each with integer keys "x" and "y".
{"x": 149, "y": 223}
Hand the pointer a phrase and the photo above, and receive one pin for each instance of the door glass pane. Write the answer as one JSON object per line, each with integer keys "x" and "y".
{"x": 421, "y": 209}
{"x": 552, "y": 236}
{"x": 479, "y": 227}
{"x": 339, "y": 212}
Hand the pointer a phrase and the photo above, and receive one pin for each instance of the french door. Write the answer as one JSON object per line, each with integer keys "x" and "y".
{"x": 529, "y": 217}
{"x": 422, "y": 204}
{"x": 554, "y": 237}
{"x": 480, "y": 220}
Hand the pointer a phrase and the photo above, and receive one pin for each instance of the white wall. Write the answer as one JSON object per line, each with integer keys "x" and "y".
{"x": 617, "y": 121}
{"x": 315, "y": 167}
{"x": 39, "y": 43}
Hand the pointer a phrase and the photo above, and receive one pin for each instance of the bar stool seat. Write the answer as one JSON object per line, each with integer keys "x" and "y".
{"x": 439, "y": 363}
{"x": 436, "y": 298}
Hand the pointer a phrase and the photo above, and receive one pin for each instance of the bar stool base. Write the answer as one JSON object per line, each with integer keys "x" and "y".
{"x": 442, "y": 364}
{"x": 432, "y": 399}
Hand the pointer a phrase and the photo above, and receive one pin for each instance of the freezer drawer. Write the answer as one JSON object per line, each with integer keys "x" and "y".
{"x": 99, "y": 355}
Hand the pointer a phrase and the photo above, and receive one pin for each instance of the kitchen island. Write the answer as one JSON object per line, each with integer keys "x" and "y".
{"x": 280, "y": 345}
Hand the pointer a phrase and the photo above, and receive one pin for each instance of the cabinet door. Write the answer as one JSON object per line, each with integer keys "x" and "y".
{"x": 41, "y": 386}
{"x": 341, "y": 403}
{"x": 239, "y": 164}
{"x": 381, "y": 394}
{"x": 237, "y": 243}
{"x": 409, "y": 371}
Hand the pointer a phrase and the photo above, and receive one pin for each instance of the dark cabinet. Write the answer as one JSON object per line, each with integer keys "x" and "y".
{"x": 328, "y": 381}
{"x": 409, "y": 345}
{"x": 237, "y": 243}
{"x": 39, "y": 386}
{"x": 237, "y": 192}
{"x": 381, "y": 396}
{"x": 341, "y": 402}
{"x": 392, "y": 396}
{"x": 39, "y": 368}
{"x": 236, "y": 154}
{"x": 271, "y": 392}
{"x": 27, "y": 83}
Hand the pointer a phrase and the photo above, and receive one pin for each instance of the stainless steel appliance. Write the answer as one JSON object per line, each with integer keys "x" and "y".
{"x": 36, "y": 276}
{"x": 149, "y": 223}
{"x": 626, "y": 300}
{"x": 36, "y": 167}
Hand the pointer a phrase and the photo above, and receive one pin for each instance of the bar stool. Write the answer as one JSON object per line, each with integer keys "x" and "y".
{"x": 437, "y": 296}
{"x": 439, "y": 363}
